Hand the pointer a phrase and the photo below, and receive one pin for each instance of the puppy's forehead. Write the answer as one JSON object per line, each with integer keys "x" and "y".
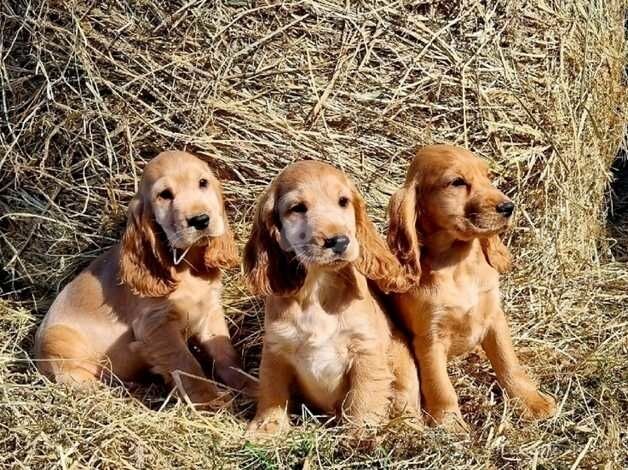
{"x": 436, "y": 160}
{"x": 311, "y": 176}
{"x": 174, "y": 164}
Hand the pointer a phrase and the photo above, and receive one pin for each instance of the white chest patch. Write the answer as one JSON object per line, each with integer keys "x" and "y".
{"x": 468, "y": 298}
{"x": 195, "y": 299}
{"x": 317, "y": 345}
{"x": 461, "y": 312}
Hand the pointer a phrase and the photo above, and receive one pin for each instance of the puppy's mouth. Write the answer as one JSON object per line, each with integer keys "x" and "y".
{"x": 336, "y": 262}
{"x": 485, "y": 224}
{"x": 312, "y": 258}
{"x": 311, "y": 254}
{"x": 189, "y": 237}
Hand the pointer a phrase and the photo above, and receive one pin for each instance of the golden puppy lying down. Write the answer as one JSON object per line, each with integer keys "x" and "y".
{"x": 135, "y": 307}
{"x": 444, "y": 228}
{"x": 312, "y": 253}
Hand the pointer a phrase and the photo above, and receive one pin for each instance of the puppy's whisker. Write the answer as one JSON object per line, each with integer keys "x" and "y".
{"x": 305, "y": 258}
{"x": 302, "y": 258}
{"x": 305, "y": 245}
{"x": 179, "y": 235}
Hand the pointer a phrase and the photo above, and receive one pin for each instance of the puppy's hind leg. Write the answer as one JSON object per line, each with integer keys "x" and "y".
{"x": 64, "y": 355}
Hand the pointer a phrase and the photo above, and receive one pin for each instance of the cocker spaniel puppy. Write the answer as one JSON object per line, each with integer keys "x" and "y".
{"x": 136, "y": 306}
{"x": 313, "y": 253}
{"x": 444, "y": 229}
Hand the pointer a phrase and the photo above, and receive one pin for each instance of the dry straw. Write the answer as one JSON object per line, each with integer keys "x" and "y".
{"x": 91, "y": 90}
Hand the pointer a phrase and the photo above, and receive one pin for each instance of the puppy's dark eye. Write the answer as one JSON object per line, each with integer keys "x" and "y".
{"x": 300, "y": 208}
{"x": 166, "y": 194}
{"x": 203, "y": 183}
{"x": 459, "y": 182}
{"x": 343, "y": 201}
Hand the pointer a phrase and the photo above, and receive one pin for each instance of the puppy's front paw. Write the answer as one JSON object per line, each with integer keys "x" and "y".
{"x": 240, "y": 382}
{"x": 364, "y": 438}
{"x": 413, "y": 420}
{"x": 450, "y": 420}
{"x": 365, "y": 420}
{"x": 207, "y": 398}
{"x": 409, "y": 415}
{"x": 454, "y": 424}
{"x": 233, "y": 378}
{"x": 538, "y": 405}
{"x": 219, "y": 402}
{"x": 268, "y": 425}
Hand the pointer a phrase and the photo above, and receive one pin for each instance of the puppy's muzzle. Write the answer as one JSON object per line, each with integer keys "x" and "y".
{"x": 199, "y": 222}
{"x": 338, "y": 244}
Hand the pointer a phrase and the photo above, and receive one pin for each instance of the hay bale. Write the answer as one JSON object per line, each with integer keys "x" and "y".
{"x": 91, "y": 91}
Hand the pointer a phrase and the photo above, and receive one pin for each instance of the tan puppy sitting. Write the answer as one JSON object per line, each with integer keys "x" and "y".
{"x": 135, "y": 307}
{"x": 312, "y": 253}
{"x": 444, "y": 228}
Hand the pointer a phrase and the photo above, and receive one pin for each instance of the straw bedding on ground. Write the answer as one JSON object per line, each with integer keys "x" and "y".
{"x": 91, "y": 90}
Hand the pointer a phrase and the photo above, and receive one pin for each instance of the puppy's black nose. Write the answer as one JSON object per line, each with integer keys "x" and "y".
{"x": 199, "y": 222}
{"x": 337, "y": 244}
{"x": 505, "y": 208}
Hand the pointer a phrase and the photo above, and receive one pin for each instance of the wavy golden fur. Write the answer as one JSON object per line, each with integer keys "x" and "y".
{"x": 444, "y": 228}
{"x": 273, "y": 271}
{"x": 134, "y": 307}
{"x": 312, "y": 252}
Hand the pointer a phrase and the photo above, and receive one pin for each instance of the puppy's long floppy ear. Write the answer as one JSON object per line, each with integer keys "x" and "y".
{"x": 144, "y": 263}
{"x": 496, "y": 253}
{"x": 376, "y": 261}
{"x": 268, "y": 269}
{"x": 403, "y": 238}
{"x": 221, "y": 252}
